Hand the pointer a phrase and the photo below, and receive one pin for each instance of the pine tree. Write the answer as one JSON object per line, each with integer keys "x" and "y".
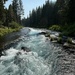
{"x": 71, "y": 11}
{"x": 18, "y": 10}
{"x": 1, "y": 10}
{"x": 15, "y": 8}
{"x": 11, "y": 13}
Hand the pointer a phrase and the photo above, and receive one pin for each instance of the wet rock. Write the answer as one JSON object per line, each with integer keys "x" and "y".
{"x": 47, "y": 34}
{"x": 73, "y": 42}
{"x": 67, "y": 45}
{"x": 42, "y": 33}
{"x": 25, "y": 49}
{"x": 53, "y": 38}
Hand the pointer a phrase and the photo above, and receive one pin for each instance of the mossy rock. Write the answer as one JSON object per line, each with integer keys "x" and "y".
{"x": 47, "y": 35}
{"x": 69, "y": 40}
{"x": 59, "y": 40}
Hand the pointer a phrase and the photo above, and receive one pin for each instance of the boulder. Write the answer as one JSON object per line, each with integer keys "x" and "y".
{"x": 41, "y": 33}
{"x": 25, "y": 49}
{"x": 73, "y": 42}
{"x": 47, "y": 34}
{"x": 67, "y": 45}
{"x": 53, "y": 38}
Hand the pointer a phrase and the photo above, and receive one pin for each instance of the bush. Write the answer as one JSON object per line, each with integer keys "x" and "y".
{"x": 69, "y": 40}
{"x": 59, "y": 40}
{"x": 14, "y": 25}
{"x": 55, "y": 28}
{"x": 69, "y": 30}
{"x": 4, "y": 31}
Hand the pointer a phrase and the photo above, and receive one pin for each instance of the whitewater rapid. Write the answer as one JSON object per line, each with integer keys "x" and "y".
{"x": 41, "y": 60}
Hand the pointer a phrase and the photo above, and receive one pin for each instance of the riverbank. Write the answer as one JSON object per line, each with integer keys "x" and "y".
{"x": 6, "y": 30}
{"x": 11, "y": 39}
{"x": 4, "y": 34}
{"x": 57, "y": 37}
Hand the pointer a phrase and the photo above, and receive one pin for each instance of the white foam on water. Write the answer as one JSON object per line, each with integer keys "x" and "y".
{"x": 25, "y": 63}
{"x": 34, "y": 31}
{"x": 36, "y": 62}
{"x": 9, "y": 54}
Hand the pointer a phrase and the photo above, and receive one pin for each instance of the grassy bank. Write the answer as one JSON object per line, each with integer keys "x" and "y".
{"x": 6, "y": 30}
{"x": 13, "y": 27}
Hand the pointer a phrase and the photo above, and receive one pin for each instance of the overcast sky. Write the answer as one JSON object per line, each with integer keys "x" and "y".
{"x": 28, "y": 5}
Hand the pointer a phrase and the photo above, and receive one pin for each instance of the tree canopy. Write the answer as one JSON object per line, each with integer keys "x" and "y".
{"x": 13, "y": 13}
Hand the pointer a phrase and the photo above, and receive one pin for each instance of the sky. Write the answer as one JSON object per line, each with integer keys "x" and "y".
{"x": 28, "y": 5}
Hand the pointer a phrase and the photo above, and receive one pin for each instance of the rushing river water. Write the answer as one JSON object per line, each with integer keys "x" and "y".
{"x": 41, "y": 60}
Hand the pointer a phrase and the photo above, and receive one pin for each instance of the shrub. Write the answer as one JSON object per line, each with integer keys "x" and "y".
{"x": 59, "y": 40}
{"x": 14, "y": 25}
{"x": 69, "y": 30}
{"x": 55, "y": 28}
{"x": 3, "y": 31}
{"x": 69, "y": 40}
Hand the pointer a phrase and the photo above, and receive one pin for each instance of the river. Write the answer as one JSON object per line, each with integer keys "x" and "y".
{"x": 43, "y": 59}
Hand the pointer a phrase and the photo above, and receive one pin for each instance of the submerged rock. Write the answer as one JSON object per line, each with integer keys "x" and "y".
{"x": 43, "y": 33}
{"x": 25, "y": 49}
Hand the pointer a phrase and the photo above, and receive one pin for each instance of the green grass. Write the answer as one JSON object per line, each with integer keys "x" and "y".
{"x": 13, "y": 27}
{"x": 5, "y": 30}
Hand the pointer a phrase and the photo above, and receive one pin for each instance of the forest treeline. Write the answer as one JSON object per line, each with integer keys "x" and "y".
{"x": 13, "y": 13}
{"x": 10, "y": 18}
{"x": 60, "y": 13}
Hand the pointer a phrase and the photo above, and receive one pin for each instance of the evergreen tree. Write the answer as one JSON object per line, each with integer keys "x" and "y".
{"x": 15, "y": 9}
{"x": 38, "y": 15}
{"x": 42, "y": 16}
{"x": 18, "y": 10}
{"x": 71, "y": 11}
{"x": 11, "y": 15}
{"x": 2, "y": 12}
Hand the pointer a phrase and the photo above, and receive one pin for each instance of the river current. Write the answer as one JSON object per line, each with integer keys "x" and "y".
{"x": 41, "y": 60}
